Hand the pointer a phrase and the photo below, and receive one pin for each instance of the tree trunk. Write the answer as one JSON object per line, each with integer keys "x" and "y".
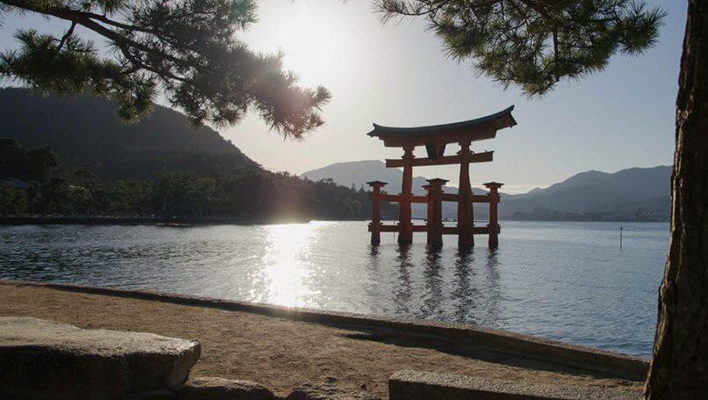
{"x": 679, "y": 368}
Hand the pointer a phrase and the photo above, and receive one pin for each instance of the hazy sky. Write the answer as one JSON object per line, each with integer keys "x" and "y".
{"x": 397, "y": 74}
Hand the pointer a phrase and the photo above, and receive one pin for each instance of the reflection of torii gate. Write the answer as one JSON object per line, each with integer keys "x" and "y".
{"x": 435, "y": 138}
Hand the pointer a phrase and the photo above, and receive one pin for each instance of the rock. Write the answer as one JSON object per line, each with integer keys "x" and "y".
{"x": 223, "y": 389}
{"x": 154, "y": 395}
{"x": 46, "y": 360}
{"x": 327, "y": 391}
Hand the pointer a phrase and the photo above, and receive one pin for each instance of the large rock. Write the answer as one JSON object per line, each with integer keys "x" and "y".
{"x": 327, "y": 391}
{"x": 45, "y": 360}
{"x": 223, "y": 389}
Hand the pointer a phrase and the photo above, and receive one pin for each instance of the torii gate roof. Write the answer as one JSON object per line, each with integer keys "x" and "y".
{"x": 472, "y": 130}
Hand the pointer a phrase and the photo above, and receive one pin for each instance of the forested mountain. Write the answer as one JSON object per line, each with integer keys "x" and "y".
{"x": 627, "y": 192}
{"x": 72, "y": 156}
{"x": 593, "y": 194}
{"x": 84, "y": 131}
{"x": 163, "y": 166}
{"x": 627, "y": 184}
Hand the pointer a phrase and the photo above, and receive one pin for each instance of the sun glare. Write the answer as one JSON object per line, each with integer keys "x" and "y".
{"x": 314, "y": 47}
{"x": 284, "y": 269}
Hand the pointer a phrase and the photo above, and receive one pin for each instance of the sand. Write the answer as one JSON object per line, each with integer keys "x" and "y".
{"x": 283, "y": 354}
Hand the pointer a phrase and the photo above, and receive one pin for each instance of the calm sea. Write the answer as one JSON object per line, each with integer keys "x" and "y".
{"x": 565, "y": 281}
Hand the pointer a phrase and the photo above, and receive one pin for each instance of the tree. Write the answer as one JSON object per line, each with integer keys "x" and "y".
{"x": 12, "y": 200}
{"x": 535, "y": 44}
{"x": 52, "y": 196}
{"x": 20, "y": 163}
{"x": 679, "y": 367}
{"x": 185, "y": 49}
{"x": 178, "y": 194}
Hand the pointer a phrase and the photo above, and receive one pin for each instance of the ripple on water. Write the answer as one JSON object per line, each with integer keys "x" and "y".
{"x": 563, "y": 281}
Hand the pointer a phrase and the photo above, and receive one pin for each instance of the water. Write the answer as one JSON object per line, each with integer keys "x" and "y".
{"x": 563, "y": 281}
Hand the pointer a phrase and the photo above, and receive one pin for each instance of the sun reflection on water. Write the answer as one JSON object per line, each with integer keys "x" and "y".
{"x": 286, "y": 265}
{"x": 545, "y": 279}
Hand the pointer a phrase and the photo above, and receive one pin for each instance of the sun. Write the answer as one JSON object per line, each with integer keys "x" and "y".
{"x": 313, "y": 46}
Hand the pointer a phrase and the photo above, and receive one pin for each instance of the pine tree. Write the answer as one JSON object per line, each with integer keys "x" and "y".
{"x": 679, "y": 366}
{"x": 536, "y": 43}
{"x": 187, "y": 50}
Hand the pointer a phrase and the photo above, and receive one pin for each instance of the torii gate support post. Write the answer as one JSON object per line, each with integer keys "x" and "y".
{"x": 376, "y": 211}
{"x": 465, "y": 210}
{"x": 493, "y": 213}
{"x": 405, "y": 225}
{"x": 435, "y": 223}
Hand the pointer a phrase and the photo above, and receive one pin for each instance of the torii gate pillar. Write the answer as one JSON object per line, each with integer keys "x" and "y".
{"x": 465, "y": 210}
{"x": 434, "y": 226}
{"x": 375, "y": 197}
{"x": 493, "y": 215}
{"x": 405, "y": 233}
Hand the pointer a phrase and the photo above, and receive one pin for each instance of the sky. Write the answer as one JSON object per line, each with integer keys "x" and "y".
{"x": 397, "y": 74}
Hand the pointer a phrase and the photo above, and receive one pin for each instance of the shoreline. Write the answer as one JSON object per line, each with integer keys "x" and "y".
{"x": 129, "y": 221}
{"x": 187, "y": 222}
{"x": 465, "y": 336}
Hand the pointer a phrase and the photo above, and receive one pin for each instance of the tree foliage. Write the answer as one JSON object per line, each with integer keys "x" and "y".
{"x": 186, "y": 49}
{"x": 535, "y": 43}
{"x": 18, "y": 162}
{"x": 250, "y": 194}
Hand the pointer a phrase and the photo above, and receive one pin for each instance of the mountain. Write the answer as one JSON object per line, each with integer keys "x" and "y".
{"x": 623, "y": 193}
{"x": 620, "y": 193}
{"x": 84, "y": 131}
{"x": 631, "y": 184}
{"x": 72, "y": 156}
{"x": 357, "y": 173}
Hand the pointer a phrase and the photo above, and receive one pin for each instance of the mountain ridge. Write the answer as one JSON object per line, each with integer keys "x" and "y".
{"x": 85, "y": 132}
{"x": 624, "y": 192}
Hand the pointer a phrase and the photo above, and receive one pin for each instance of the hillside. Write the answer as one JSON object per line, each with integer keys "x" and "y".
{"x": 626, "y": 192}
{"x": 83, "y": 130}
{"x": 95, "y": 165}
{"x": 623, "y": 193}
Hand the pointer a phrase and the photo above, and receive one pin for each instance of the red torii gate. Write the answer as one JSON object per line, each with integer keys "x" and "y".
{"x": 435, "y": 138}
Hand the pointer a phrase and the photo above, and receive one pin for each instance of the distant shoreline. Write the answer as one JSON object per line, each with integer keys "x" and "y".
{"x": 173, "y": 222}
{"x": 616, "y": 219}
{"x": 187, "y": 222}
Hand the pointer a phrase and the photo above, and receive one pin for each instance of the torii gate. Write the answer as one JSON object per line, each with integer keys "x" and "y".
{"x": 435, "y": 138}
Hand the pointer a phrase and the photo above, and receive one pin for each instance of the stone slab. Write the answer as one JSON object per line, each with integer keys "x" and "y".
{"x": 327, "y": 391}
{"x": 207, "y": 388}
{"x": 42, "y": 359}
{"x": 418, "y": 385}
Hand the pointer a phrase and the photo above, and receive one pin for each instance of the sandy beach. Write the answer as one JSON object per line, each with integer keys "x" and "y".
{"x": 283, "y": 354}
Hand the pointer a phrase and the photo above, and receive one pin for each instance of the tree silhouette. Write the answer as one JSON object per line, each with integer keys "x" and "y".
{"x": 535, "y": 43}
{"x": 185, "y": 49}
